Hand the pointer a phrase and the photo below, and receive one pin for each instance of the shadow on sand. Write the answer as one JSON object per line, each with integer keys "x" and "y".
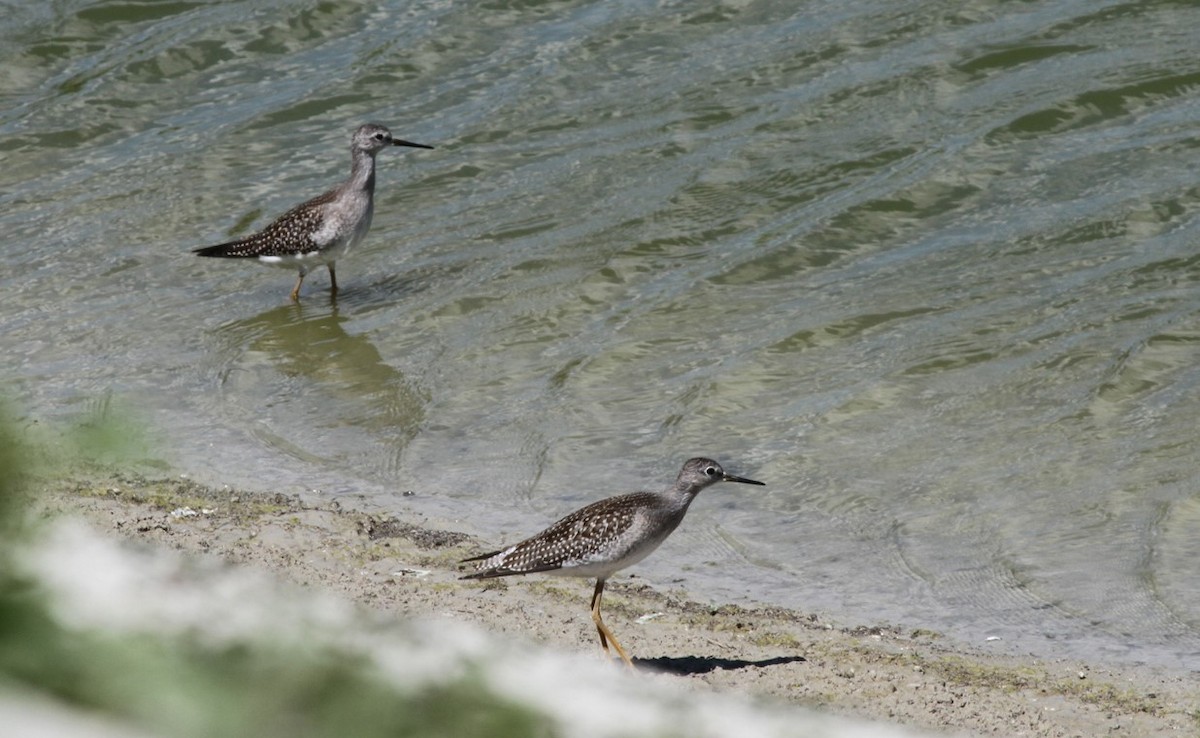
{"x": 689, "y": 665}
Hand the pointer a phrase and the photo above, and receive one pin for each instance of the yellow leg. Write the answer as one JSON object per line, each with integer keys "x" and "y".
{"x": 296, "y": 289}
{"x": 596, "y": 593}
{"x": 332, "y": 278}
{"x": 606, "y": 635}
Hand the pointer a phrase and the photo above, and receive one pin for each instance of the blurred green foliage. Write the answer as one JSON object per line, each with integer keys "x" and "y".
{"x": 14, "y": 471}
{"x": 174, "y": 686}
{"x": 179, "y": 685}
{"x": 106, "y": 433}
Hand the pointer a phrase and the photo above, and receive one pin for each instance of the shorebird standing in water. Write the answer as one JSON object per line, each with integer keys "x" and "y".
{"x": 606, "y": 536}
{"x": 321, "y": 230}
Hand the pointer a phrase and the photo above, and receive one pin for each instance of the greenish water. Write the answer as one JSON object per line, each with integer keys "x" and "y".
{"x": 927, "y": 269}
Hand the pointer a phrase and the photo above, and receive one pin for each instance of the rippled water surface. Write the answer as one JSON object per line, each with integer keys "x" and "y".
{"x": 928, "y": 269}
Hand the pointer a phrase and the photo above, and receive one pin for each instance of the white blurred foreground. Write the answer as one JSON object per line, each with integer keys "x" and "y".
{"x": 96, "y": 585}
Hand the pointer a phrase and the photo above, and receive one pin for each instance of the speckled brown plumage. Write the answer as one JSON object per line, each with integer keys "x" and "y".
{"x": 606, "y": 536}
{"x": 324, "y": 228}
{"x": 589, "y": 534}
{"x": 291, "y": 233}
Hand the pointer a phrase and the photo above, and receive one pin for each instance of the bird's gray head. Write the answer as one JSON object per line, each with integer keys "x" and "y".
{"x": 371, "y": 137}
{"x": 699, "y": 473}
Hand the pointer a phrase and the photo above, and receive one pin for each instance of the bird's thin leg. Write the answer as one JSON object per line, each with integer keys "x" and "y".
{"x": 332, "y": 278}
{"x": 606, "y": 635}
{"x": 596, "y": 593}
{"x": 296, "y": 289}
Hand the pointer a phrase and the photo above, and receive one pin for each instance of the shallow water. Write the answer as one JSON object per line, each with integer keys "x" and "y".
{"x": 927, "y": 269}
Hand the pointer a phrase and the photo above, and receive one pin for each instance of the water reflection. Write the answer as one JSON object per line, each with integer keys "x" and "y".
{"x": 312, "y": 389}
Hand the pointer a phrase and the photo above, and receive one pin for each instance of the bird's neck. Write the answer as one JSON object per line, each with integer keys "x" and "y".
{"x": 362, "y": 172}
{"x": 679, "y": 499}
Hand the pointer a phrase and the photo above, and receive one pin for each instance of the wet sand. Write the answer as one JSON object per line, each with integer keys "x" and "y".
{"x": 410, "y": 568}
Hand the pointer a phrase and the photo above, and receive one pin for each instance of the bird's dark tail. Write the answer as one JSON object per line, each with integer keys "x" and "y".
{"x": 480, "y": 557}
{"x": 487, "y": 574}
{"x": 230, "y": 250}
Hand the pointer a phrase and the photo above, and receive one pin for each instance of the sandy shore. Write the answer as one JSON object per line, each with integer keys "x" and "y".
{"x": 916, "y": 679}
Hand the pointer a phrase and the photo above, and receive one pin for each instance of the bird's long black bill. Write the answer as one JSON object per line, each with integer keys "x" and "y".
{"x": 743, "y": 480}
{"x": 402, "y": 142}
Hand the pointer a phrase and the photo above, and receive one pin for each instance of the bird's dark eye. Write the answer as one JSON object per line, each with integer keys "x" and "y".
{"x": 711, "y": 471}
{"x": 378, "y": 136}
